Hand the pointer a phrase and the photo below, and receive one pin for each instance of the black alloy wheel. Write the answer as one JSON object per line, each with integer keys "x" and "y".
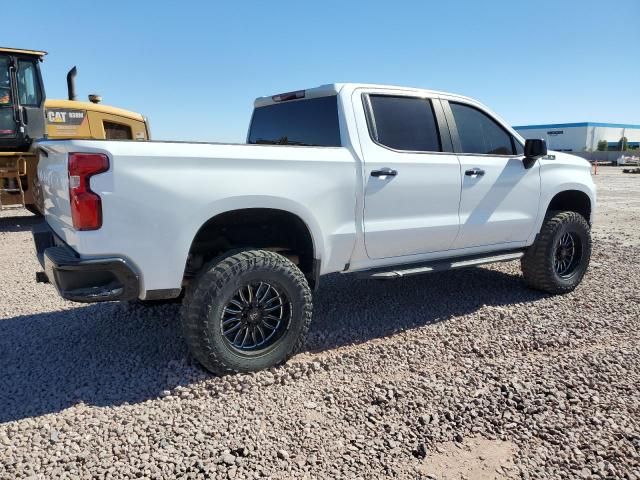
{"x": 568, "y": 255}
{"x": 255, "y": 317}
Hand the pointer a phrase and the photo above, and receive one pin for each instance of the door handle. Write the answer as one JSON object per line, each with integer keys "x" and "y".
{"x": 385, "y": 172}
{"x": 474, "y": 171}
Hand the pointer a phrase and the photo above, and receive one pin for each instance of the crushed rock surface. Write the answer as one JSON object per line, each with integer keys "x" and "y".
{"x": 465, "y": 374}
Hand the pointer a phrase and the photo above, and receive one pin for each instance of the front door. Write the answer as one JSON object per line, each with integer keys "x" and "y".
{"x": 412, "y": 186}
{"x": 500, "y": 194}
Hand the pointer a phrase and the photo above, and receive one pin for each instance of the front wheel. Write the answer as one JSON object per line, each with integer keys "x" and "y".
{"x": 558, "y": 260}
{"x": 246, "y": 312}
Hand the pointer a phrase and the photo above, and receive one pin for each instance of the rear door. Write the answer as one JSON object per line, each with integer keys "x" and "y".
{"x": 500, "y": 194}
{"x": 412, "y": 180}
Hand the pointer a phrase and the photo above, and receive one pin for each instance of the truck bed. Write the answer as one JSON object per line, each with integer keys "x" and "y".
{"x": 156, "y": 196}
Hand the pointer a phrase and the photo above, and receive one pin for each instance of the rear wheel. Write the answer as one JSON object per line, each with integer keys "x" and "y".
{"x": 247, "y": 312}
{"x": 558, "y": 260}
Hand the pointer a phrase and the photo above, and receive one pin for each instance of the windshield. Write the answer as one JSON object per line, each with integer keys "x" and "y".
{"x": 312, "y": 122}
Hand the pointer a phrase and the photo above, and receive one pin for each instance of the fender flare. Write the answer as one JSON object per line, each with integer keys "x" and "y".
{"x": 547, "y": 198}
{"x": 213, "y": 209}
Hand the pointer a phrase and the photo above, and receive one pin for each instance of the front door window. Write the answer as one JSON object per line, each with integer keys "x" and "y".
{"x": 479, "y": 133}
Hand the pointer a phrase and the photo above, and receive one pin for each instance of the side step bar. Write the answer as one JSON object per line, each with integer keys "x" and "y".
{"x": 399, "y": 271}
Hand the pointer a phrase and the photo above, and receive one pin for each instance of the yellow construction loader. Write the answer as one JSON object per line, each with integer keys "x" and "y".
{"x": 26, "y": 115}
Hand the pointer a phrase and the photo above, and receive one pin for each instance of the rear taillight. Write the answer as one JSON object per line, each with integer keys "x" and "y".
{"x": 86, "y": 207}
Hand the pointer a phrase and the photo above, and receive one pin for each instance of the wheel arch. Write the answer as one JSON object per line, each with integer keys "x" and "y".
{"x": 259, "y": 224}
{"x": 572, "y": 200}
{"x": 574, "y": 197}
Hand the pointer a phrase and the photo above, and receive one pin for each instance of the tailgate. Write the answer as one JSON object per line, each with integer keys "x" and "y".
{"x": 53, "y": 178}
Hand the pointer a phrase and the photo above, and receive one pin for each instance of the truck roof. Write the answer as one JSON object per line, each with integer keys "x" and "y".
{"x": 23, "y": 51}
{"x": 335, "y": 88}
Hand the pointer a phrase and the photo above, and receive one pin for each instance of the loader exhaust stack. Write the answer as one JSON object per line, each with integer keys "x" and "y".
{"x": 71, "y": 83}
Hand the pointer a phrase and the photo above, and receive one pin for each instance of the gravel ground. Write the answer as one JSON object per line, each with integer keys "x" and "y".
{"x": 464, "y": 374}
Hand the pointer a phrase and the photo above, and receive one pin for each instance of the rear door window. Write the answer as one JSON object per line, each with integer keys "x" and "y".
{"x": 479, "y": 133}
{"x": 309, "y": 122}
{"x": 404, "y": 123}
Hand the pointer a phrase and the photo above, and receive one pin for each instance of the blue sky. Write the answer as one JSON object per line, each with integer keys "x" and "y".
{"x": 194, "y": 67}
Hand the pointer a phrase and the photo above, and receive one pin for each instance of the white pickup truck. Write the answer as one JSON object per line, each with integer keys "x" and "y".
{"x": 379, "y": 180}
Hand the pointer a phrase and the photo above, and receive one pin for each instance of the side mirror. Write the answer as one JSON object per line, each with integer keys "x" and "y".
{"x": 534, "y": 148}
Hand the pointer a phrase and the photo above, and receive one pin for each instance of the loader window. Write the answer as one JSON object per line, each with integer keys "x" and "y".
{"x": 116, "y": 131}
{"x": 7, "y": 120}
{"x": 311, "y": 122}
{"x": 28, "y": 85}
{"x": 5, "y": 82}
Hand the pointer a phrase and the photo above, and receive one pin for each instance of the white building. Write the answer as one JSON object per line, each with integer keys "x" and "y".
{"x": 580, "y": 137}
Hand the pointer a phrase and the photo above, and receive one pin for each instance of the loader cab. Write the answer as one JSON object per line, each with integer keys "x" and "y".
{"x": 22, "y": 99}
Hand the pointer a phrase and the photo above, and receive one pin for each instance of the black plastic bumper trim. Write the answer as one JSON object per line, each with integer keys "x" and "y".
{"x": 90, "y": 280}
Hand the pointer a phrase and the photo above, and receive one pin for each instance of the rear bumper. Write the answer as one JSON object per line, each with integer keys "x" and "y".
{"x": 90, "y": 280}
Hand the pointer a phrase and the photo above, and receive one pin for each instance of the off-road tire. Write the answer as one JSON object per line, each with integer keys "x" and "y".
{"x": 216, "y": 283}
{"x": 538, "y": 262}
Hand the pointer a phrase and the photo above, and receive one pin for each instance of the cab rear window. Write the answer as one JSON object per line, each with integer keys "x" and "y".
{"x": 309, "y": 122}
